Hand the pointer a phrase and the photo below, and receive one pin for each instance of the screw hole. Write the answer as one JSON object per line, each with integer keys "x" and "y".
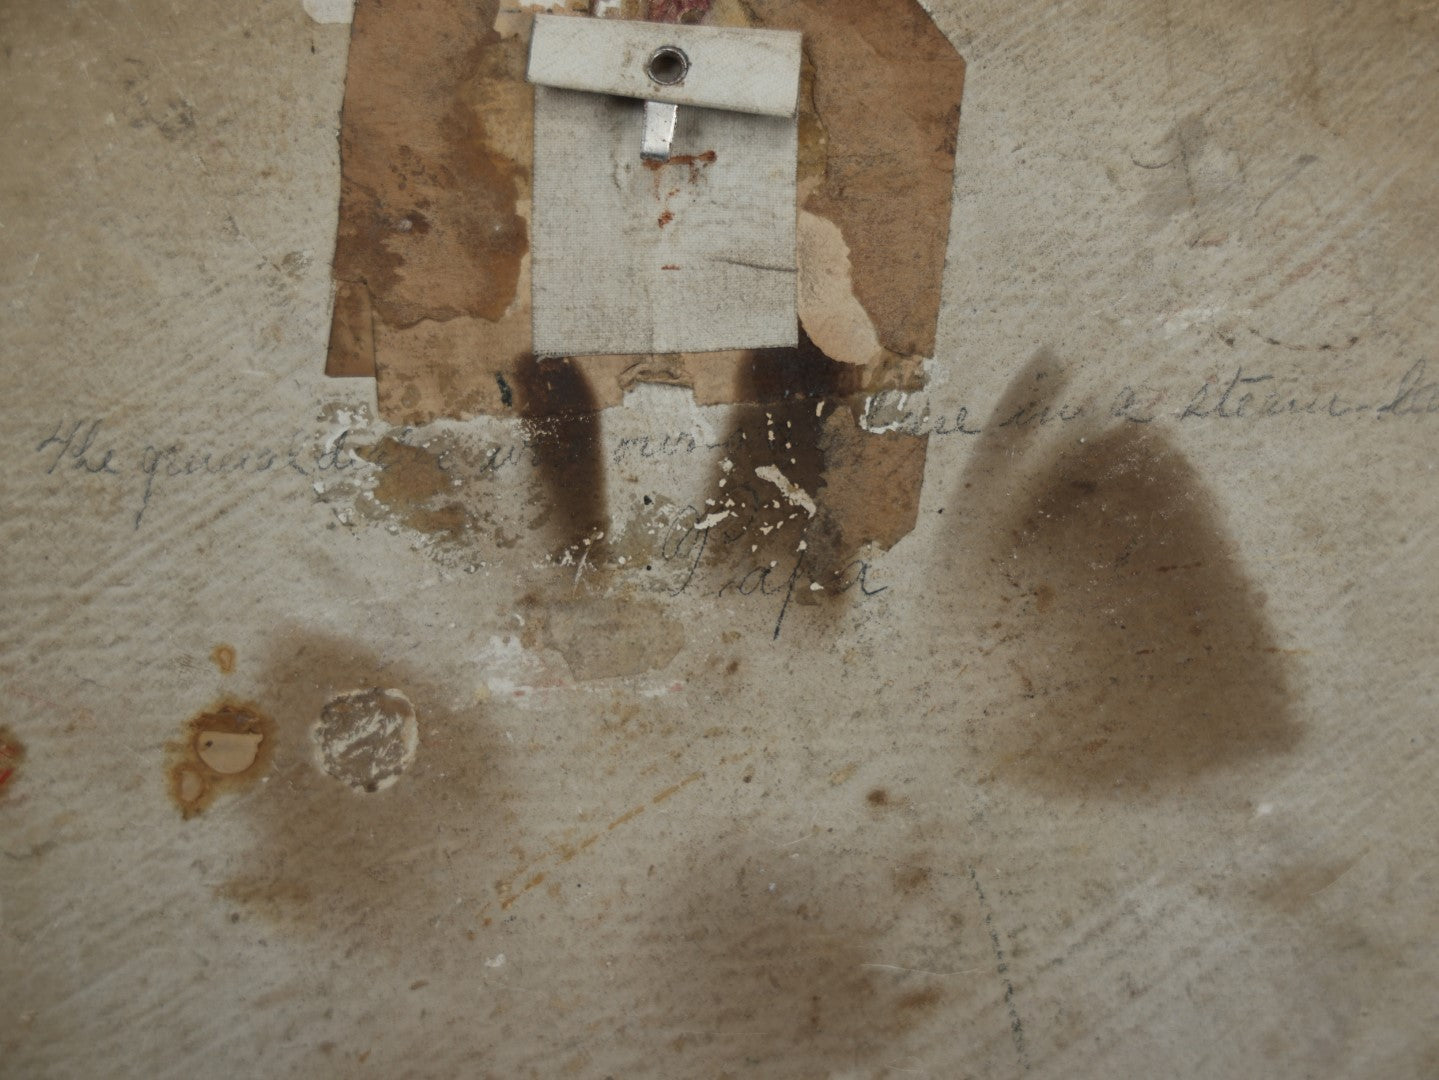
{"x": 668, "y": 65}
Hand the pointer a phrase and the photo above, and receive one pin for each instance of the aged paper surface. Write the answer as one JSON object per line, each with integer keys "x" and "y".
{"x": 1072, "y": 716}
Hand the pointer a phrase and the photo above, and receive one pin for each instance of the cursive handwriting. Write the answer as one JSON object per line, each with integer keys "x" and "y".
{"x": 84, "y": 447}
{"x": 689, "y": 536}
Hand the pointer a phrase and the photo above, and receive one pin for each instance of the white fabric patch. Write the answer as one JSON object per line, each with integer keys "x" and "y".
{"x": 696, "y": 254}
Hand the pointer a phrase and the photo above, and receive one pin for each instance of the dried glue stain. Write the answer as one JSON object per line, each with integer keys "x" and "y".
{"x": 223, "y": 749}
{"x": 367, "y": 738}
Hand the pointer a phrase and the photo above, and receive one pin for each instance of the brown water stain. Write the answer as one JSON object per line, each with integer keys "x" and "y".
{"x": 12, "y": 756}
{"x": 911, "y": 879}
{"x": 226, "y": 748}
{"x": 1291, "y": 889}
{"x": 1140, "y": 651}
{"x": 373, "y": 870}
{"x": 782, "y": 976}
{"x": 223, "y": 657}
{"x": 562, "y": 422}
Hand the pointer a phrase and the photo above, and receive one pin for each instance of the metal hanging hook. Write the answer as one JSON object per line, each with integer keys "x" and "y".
{"x": 667, "y": 66}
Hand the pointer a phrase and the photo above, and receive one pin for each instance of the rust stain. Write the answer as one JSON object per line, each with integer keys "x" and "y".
{"x": 223, "y": 657}
{"x": 666, "y": 218}
{"x": 226, "y": 748}
{"x": 694, "y": 163}
{"x": 1151, "y": 676}
{"x": 12, "y": 755}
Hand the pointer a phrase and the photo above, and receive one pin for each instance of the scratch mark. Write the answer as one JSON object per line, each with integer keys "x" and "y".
{"x": 755, "y": 265}
{"x": 1001, "y": 967}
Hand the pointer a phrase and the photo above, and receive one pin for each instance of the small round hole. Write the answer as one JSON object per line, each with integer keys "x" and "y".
{"x": 668, "y": 65}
